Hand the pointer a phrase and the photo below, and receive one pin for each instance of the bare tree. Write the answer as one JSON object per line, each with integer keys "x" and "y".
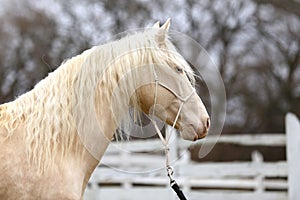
{"x": 255, "y": 46}
{"x": 25, "y": 42}
{"x": 257, "y": 50}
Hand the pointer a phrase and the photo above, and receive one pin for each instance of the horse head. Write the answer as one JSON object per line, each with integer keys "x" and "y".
{"x": 171, "y": 96}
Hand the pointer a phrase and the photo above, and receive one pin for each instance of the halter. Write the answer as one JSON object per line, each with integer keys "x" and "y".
{"x": 165, "y": 141}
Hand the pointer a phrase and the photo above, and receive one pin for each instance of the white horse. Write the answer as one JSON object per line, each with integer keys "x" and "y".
{"x": 48, "y": 149}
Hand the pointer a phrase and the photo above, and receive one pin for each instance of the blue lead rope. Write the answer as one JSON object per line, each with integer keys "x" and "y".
{"x": 178, "y": 191}
{"x": 174, "y": 184}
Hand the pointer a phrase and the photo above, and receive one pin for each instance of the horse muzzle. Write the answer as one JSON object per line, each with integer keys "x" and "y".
{"x": 195, "y": 132}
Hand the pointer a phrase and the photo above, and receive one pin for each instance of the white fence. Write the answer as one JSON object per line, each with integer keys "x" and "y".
{"x": 135, "y": 170}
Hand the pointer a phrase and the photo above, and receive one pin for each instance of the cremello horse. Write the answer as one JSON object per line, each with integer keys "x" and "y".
{"x": 42, "y": 153}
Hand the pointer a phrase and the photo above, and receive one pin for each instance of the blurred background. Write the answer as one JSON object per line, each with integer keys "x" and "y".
{"x": 255, "y": 44}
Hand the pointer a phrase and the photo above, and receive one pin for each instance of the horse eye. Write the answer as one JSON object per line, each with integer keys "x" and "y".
{"x": 179, "y": 69}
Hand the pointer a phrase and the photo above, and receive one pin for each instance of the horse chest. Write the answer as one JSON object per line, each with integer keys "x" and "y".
{"x": 21, "y": 183}
{"x": 19, "y": 179}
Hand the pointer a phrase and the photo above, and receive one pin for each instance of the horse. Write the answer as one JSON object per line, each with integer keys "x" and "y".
{"x": 48, "y": 147}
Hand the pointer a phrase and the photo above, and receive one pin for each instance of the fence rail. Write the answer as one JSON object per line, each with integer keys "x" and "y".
{"x": 134, "y": 170}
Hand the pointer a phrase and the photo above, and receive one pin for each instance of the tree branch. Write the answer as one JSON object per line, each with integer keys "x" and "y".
{"x": 290, "y": 6}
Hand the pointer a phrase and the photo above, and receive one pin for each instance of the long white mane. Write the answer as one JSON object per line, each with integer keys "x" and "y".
{"x": 46, "y": 112}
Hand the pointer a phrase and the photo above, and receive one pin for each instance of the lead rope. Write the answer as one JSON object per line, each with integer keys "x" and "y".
{"x": 169, "y": 168}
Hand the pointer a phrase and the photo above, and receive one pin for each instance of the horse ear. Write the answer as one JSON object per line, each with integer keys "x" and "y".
{"x": 167, "y": 24}
{"x": 156, "y": 25}
{"x": 163, "y": 31}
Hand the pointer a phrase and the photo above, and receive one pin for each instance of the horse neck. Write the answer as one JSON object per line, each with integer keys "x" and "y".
{"x": 93, "y": 122}
{"x": 46, "y": 113}
{"x": 92, "y": 117}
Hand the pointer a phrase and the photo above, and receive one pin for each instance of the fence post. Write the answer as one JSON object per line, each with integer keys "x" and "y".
{"x": 257, "y": 161}
{"x": 293, "y": 151}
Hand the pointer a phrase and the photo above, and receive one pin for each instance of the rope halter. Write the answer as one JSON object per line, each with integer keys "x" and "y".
{"x": 165, "y": 141}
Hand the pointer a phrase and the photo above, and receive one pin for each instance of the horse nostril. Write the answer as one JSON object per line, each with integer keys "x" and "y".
{"x": 207, "y": 123}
